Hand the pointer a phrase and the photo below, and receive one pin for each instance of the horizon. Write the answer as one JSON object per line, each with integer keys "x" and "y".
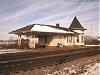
{"x": 16, "y": 14}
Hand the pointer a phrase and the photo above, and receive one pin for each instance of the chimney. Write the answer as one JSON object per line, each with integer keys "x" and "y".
{"x": 57, "y": 25}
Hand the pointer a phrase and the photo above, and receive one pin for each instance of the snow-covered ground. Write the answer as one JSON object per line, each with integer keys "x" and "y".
{"x": 83, "y": 66}
{"x": 3, "y": 51}
{"x": 92, "y": 45}
{"x": 90, "y": 69}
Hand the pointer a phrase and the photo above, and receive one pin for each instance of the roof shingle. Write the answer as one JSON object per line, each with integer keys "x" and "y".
{"x": 76, "y": 25}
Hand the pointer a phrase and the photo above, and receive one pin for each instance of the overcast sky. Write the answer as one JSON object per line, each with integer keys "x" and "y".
{"x": 18, "y": 13}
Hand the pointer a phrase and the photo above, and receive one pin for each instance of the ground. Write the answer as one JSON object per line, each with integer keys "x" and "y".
{"x": 67, "y": 48}
{"x": 83, "y": 66}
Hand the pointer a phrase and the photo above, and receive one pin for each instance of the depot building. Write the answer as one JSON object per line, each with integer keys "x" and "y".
{"x": 50, "y": 35}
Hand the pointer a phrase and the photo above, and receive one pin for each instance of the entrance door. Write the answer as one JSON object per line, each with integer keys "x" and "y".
{"x": 42, "y": 39}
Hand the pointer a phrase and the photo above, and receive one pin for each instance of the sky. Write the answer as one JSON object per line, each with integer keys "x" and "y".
{"x": 18, "y": 13}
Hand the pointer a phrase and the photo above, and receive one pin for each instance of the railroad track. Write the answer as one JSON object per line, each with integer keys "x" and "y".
{"x": 25, "y": 61}
{"x": 26, "y": 55}
{"x": 44, "y": 59}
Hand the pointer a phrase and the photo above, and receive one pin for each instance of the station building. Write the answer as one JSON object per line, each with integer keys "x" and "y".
{"x": 50, "y": 35}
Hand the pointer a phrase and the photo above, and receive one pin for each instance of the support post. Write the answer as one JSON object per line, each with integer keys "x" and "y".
{"x": 32, "y": 41}
{"x": 66, "y": 42}
{"x": 19, "y": 39}
{"x": 83, "y": 40}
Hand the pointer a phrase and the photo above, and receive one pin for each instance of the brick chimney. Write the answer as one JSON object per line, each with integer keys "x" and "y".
{"x": 57, "y": 25}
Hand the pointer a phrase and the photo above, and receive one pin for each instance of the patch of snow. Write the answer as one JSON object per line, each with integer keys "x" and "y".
{"x": 43, "y": 28}
{"x": 90, "y": 69}
{"x": 3, "y": 51}
{"x": 91, "y": 45}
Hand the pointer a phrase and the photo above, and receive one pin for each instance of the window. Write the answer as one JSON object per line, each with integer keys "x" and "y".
{"x": 45, "y": 39}
{"x": 78, "y": 39}
{"x": 73, "y": 39}
{"x": 70, "y": 39}
{"x": 82, "y": 37}
{"x": 67, "y": 39}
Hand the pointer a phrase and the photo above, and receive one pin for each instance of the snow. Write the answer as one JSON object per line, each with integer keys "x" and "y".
{"x": 43, "y": 28}
{"x": 3, "y": 51}
{"x": 92, "y": 45}
{"x": 90, "y": 69}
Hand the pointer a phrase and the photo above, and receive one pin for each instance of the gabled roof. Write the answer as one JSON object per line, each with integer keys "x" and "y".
{"x": 76, "y": 25}
{"x": 48, "y": 29}
{"x": 41, "y": 28}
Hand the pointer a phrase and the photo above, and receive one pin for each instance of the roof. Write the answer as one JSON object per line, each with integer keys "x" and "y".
{"x": 49, "y": 28}
{"x": 46, "y": 28}
{"x": 23, "y": 29}
{"x": 41, "y": 28}
{"x": 76, "y": 25}
{"x": 63, "y": 28}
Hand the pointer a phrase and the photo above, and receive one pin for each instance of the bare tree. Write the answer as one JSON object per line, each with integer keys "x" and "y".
{"x": 11, "y": 38}
{"x": 91, "y": 40}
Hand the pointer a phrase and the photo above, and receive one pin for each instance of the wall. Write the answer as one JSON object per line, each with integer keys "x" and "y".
{"x": 67, "y": 40}
{"x": 79, "y": 31}
{"x": 52, "y": 40}
{"x": 80, "y": 35}
{"x": 32, "y": 41}
{"x": 81, "y": 41}
{"x": 70, "y": 40}
{"x": 57, "y": 39}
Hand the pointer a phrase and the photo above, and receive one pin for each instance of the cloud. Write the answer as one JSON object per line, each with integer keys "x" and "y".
{"x": 24, "y": 12}
{"x": 28, "y": 10}
{"x": 68, "y": 13}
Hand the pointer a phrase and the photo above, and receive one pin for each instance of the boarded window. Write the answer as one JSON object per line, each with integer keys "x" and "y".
{"x": 77, "y": 38}
{"x": 45, "y": 39}
{"x": 71, "y": 39}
